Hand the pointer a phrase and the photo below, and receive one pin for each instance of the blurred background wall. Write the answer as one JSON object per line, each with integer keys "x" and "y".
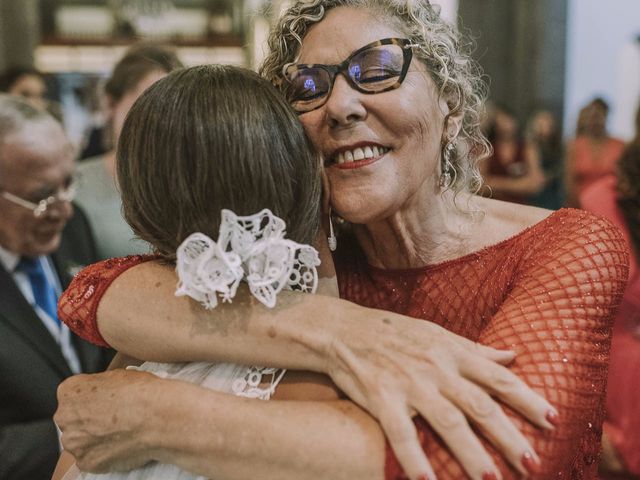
{"x": 603, "y": 58}
{"x": 19, "y": 32}
{"x": 521, "y": 46}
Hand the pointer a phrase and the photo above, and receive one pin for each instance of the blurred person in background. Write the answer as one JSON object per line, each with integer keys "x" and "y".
{"x": 90, "y": 96}
{"x": 25, "y": 82}
{"x": 141, "y": 67}
{"x": 544, "y": 135}
{"x": 43, "y": 243}
{"x": 30, "y": 83}
{"x": 592, "y": 154}
{"x": 512, "y": 172}
{"x": 617, "y": 197}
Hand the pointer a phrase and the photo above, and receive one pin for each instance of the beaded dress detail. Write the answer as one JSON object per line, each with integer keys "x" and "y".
{"x": 550, "y": 294}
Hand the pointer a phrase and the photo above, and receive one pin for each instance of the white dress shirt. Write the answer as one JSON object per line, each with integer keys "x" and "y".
{"x": 59, "y": 331}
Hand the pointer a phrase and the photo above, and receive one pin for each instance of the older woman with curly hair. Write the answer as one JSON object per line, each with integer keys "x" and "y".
{"x": 386, "y": 94}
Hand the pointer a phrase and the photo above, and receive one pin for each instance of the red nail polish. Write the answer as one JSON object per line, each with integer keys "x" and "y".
{"x": 489, "y": 476}
{"x": 423, "y": 477}
{"x": 553, "y": 418}
{"x": 530, "y": 464}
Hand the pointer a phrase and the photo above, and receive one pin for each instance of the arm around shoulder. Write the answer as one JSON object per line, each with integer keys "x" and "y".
{"x": 558, "y": 316}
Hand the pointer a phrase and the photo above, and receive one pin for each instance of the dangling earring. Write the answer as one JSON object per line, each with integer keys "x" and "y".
{"x": 331, "y": 239}
{"x": 447, "y": 166}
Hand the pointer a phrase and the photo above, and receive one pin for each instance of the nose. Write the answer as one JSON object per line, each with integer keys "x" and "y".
{"x": 344, "y": 106}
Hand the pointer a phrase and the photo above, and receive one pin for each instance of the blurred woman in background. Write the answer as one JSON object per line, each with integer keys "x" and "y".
{"x": 543, "y": 134}
{"x": 593, "y": 154}
{"x": 513, "y": 172}
{"x": 140, "y": 68}
{"x": 26, "y": 82}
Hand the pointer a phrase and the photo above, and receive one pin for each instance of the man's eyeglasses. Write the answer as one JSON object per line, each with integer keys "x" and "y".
{"x": 377, "y": 67}
{"x": 66, "y": 193}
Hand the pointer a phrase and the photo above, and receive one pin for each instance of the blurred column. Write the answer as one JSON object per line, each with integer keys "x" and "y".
{"x": 521, "y": 46}
{"x": 627, "y": 90}
{"x": 19, "y": 32}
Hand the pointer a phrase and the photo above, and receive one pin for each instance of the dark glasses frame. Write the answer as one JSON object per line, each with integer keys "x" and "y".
{"x": 343, "y": 68}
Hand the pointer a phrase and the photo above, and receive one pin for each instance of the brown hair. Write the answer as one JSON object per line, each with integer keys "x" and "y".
{"x": 212, "y": 137}
{"x": 137, "y": 63}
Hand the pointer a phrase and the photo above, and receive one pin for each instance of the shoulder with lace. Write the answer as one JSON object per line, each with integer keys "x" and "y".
{"x": 79, "y": 303}
{"x": 583, "y": 248}
{"x": 559, "y": 313}
{"x": 556, "y": 312}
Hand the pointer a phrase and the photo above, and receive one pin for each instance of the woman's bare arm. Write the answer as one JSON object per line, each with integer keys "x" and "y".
{"x": 135, "y": 417}
{"x": 356, "y": 346}
{"x": 228, "y": 437}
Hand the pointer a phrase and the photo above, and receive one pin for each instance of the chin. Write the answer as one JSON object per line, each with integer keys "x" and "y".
{"x": 44, "y": 247}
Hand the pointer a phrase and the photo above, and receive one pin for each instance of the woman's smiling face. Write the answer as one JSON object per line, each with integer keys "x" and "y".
{"x": 398, "y": 132}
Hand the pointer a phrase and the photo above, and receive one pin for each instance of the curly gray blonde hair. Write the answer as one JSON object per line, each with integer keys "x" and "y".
{"x": 441, "y": 48}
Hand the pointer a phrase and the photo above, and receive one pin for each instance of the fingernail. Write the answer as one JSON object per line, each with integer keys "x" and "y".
{"x": 530, "y": 463}
{"x": 423, "y": 477}
{"x": 553, "y": 418}
{"x": 489, "y": 476}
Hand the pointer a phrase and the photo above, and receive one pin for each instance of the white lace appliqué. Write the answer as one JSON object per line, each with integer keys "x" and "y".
{"x": 249, "y": 385}
{"x": 251, "y": 248}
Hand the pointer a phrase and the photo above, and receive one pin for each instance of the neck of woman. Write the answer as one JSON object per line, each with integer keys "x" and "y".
{"x": 425, "y": 232}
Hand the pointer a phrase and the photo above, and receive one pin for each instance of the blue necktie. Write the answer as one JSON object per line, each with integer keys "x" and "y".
{"x": 43, "y": 292}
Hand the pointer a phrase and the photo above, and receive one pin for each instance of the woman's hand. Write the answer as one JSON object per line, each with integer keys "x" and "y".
{"x": 100, "y": 438}
{"x": 398, "y": 367}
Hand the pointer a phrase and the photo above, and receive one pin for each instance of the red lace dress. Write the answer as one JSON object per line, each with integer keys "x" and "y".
{"x": 549, "y": 293}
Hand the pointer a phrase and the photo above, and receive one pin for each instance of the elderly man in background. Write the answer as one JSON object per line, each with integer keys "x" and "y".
{"x": 42, "y": 244}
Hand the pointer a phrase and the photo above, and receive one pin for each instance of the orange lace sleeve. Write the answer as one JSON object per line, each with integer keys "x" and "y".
{"x": 557, "y": 316}
{"x": 79, "y": 303}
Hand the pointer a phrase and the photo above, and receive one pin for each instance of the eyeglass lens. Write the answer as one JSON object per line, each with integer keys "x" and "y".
{"x": 372, "y": 70}
{"x": 65, "y": 194}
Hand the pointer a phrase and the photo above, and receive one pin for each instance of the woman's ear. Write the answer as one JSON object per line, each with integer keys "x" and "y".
{"x": 453, "y": 118}
{"x": 453, "y": 125}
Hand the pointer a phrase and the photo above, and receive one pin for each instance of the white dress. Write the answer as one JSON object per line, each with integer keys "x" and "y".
{"x": 252, "y": 249}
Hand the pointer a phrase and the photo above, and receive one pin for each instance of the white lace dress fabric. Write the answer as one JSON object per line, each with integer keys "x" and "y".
{"x": 252, "y": 249}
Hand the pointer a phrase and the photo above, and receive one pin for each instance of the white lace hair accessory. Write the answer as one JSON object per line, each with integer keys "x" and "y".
{"x": 251, "y": 248}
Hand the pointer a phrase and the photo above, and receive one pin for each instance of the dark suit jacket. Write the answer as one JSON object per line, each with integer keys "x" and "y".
{"x": 32, "y": 366}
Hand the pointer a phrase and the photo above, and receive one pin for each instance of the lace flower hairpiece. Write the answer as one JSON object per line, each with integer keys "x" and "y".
{"x": 251, "y": 248}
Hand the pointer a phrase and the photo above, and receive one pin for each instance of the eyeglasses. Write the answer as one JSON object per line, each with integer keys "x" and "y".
{"x": 377, "y": 67}
{"x": 65, "y": 193}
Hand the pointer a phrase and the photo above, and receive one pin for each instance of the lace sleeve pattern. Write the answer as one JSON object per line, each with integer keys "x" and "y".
{"x": 562, "y": 285}
{"x": 558, "y": 317}
{"x": 78, "y": 305}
